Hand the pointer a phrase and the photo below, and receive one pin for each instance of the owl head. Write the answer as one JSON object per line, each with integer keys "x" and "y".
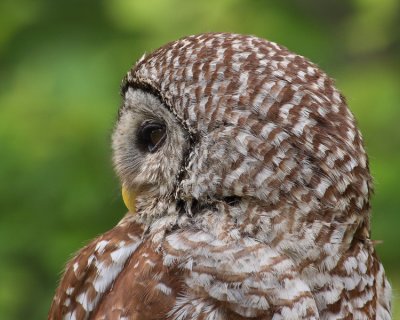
{"x": 240, "y": 127}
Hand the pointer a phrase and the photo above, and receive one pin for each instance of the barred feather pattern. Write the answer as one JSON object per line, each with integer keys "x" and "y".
{"x": 257, "y": 206}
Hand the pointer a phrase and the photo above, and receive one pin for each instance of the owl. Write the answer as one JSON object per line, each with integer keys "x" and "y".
{"x": 248, "y": 191}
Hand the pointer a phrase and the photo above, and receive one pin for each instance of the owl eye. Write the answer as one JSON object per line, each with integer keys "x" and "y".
{"x": 151, "y": 136}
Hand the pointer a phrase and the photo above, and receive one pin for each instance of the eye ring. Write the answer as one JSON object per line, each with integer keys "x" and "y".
{"x": 151, "y": 136}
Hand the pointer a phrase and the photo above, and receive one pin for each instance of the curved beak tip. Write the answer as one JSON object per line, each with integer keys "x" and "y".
{"x": 129, "y": 198}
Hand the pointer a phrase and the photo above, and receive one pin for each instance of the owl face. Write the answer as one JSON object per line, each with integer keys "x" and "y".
{"x": 149, "y": 146}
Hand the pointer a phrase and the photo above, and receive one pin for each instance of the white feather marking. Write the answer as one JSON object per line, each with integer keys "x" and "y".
{"x": 311, "y": 71}
{"x": 301, "y": 75}
{"x": 200, "y": 237}
{"x": 70, "y": 290}
{"x": 263, "y": 175}
{"x": 243, "y": 80}
{"x": 267, "y": 129}
{"x": 284, "y": 110}
{"x": 322, "y": 148}
{"x": 336, "y": 97}
{"x": 70, "y": 316}
{"x": 281, "y": 136}
{"x": 364, "y": 187}
{"x": 100, "y": 246}
{"x": 350, "y": 282}
{"x": 67, "y": 302}
{"x": 322, "y": 186}
{"x": 107, "y": 273}
{"x": 169, "y": 259}
{"x": 189, "y": 264}
{"x": 321, "y": 82}
{"x": 75, "y": 267}
{"x": 176, "y": 242}
{"x": 150, "y": 263}
{"x": 83, "y": 299}
{"x": 199, "y": 280}
{"x": 350, "y": 264}
{"x": 121, "y": 254}
{"x": 351, "y": 134}
{"x": 351, "y": 164}
{"x": 259, "y": 98}
{"x": 163, "y": 288}
{"x": 91, "y": 258}
{"x": 299, "y": 127}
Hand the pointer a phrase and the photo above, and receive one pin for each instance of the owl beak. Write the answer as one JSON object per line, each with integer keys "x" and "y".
{"x": 129, "y": 198}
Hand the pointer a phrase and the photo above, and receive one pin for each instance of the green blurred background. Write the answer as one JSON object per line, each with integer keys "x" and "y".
{"x": 61, "y": 63}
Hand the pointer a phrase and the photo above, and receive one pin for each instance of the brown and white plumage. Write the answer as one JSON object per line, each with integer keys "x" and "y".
{"x": 253, "y": 205}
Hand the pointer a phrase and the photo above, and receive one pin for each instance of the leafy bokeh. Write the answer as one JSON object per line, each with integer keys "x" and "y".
{"x": 61, "y": 63}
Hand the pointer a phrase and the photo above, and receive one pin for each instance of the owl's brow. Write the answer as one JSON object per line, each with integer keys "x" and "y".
{"x": 146, "y": 87}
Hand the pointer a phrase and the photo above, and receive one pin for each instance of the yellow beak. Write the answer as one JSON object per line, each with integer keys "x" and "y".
{"x": 129, "y": 198}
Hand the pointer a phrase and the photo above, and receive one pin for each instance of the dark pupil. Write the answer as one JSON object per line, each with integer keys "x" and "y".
{"x": 151, "y": 136}
{"x": 156, "y": 136}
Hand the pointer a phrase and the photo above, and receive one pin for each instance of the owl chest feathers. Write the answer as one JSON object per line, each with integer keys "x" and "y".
{"x": 219, "y": 272}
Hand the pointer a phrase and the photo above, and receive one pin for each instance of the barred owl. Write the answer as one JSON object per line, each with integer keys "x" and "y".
{"x": 249, "y": 194}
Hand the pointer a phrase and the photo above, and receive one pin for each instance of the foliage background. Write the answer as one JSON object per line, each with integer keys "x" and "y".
{"x": 61, "y": 63}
